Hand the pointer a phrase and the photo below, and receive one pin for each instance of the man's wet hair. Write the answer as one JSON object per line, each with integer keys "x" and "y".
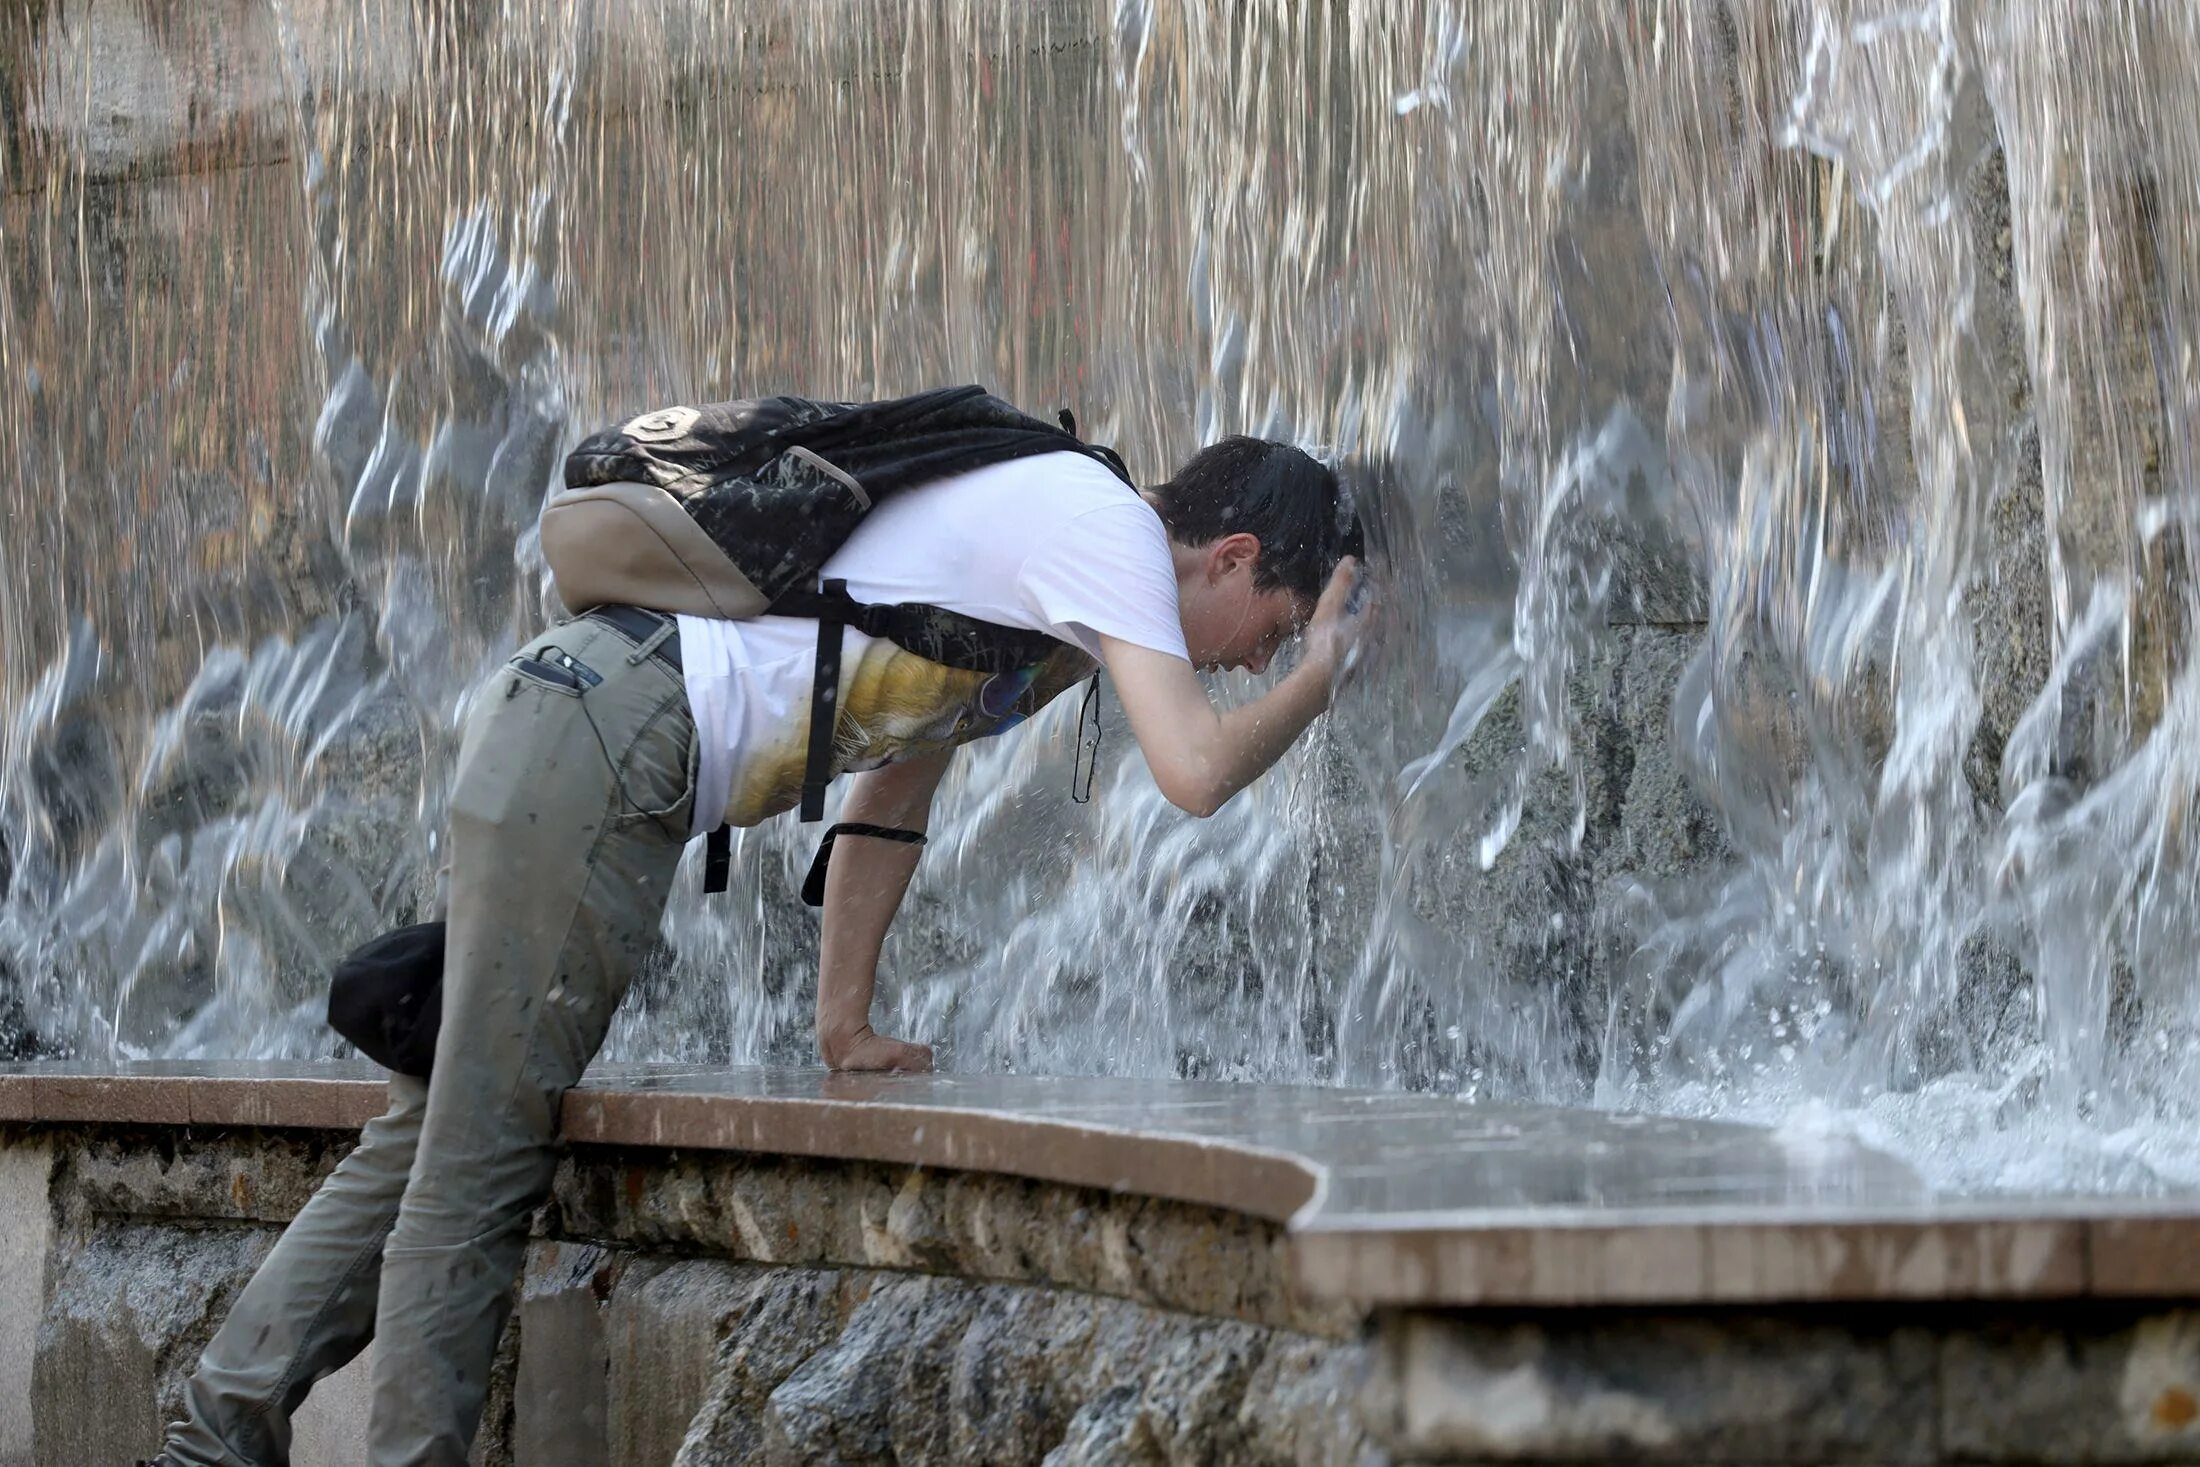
{"x": 1287, "y": 499}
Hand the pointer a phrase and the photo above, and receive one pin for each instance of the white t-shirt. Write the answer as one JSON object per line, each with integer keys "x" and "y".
{"x": 1053, "y": 544}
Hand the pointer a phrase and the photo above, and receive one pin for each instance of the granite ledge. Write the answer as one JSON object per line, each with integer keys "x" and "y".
{"x": 1387, "y": 1199}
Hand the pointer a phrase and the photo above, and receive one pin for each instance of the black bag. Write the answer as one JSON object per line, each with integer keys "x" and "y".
{"x": 730, "y": 509}
{"x": 387, "y": 997}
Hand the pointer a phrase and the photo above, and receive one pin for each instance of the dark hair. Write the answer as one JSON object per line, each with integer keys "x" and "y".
{"x": 1284, "y": 498}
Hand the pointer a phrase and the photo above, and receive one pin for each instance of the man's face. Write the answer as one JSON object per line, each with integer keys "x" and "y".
{"x": 1229, "y": 622}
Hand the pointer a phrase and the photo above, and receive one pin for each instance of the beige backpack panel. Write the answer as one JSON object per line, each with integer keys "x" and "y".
{"x": 633, "y": 545}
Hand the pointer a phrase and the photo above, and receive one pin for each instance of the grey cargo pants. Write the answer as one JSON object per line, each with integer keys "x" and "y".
{"x": 567, "y": 820}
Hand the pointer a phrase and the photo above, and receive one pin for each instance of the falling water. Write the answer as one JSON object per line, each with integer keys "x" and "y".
{"x": 1777, "y": 421}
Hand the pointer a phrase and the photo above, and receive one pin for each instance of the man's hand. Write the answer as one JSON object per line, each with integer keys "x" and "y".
{"x": 1339, "y": 622}
{"x": 866, "y": 1049}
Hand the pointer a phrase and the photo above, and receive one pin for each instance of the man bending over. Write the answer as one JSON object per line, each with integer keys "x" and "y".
{"x": 606, "y": 744}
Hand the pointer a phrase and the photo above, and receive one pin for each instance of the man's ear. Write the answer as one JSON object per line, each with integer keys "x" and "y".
{"x": 1232, "y": 552}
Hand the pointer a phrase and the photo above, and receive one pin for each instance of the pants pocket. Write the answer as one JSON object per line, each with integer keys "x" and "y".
{"x": 659, "y": 769}
{"x": 527, "y": 670}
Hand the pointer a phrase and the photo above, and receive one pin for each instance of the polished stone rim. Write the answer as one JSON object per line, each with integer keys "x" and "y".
{"x": 1385, "y": 1198}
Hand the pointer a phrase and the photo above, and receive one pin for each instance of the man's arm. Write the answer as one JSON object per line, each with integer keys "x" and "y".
{"x": 863, "y": 890}
{"x": 1200, "y": 757}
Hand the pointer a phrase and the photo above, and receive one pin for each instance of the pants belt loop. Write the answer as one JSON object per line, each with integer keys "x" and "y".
{"x": 656, "y": 639}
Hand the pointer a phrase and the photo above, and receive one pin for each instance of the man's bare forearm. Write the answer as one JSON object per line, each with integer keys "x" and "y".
{"x": 1247, "y": 740}
{"x": 1199, "y": 757}
{"x": 863, "y": 890}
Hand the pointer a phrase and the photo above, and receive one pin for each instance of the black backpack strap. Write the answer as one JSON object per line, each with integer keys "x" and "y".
{"x": 931, "y": 632}
{"x": 1108, "y": 457}
{"x": 717, "y": 859}
{"x": 813, "y": 885}
{"x": 817, "y": 772}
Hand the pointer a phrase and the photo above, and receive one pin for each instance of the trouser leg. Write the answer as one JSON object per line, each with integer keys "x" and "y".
{"x": 568, "y": 817}
{"x": 309, "y": 1308}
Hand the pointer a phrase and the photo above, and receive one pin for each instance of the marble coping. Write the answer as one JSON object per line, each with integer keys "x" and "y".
{"x": 1385, "y": 1199}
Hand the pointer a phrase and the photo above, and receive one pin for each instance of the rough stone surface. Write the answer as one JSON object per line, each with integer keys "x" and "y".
{"x": 500, "y": 1410}
{"x": 330, "y": 1429}
{"x": 787, "y": 1316}
{"x": 798, "y": 1213}
{"x": 563, "y": 1365}
{"x": 25, "y": 1236}
{"x": 2112, "y": 1388}
{"x": 130, "y": 1308}
{"x": 666, "y": 1321}
{"x": 622, "y": 1357}
{"x": 220, "y": 1176}
{"x": 871, "y": 1367}
{"x": 826, "y": 1365}
{"x": 1656, "y": 827}
{"x": 2082, "y": 1385}
{"x": 766, "y": 1209}
{"x": 1661, "y": 1389}
{"x": 844, "y": 1313}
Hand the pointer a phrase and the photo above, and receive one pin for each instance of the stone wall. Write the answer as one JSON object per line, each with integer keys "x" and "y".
{"x": 1862, "y": 1388}
{"x": 716, "y": 1308}
{"x": 706, "y": 1310}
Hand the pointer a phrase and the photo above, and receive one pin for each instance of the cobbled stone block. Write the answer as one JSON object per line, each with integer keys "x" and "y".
{"x": 131, "y": 1306}
{"x": 2110, "y": 1389}
{"x": 26, "y": 1235}
{"x": 1621, "y": 1387}
{"x": 564, "y": 1361}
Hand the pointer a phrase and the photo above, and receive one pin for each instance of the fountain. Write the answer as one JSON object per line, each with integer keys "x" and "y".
{"x": 1778, "y": 427}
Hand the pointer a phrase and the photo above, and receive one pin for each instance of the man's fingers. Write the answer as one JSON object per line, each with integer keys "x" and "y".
{"x": 1342, "y": 580}
{"x": 897, "y": 1055}
{"x": 1341, "y": 597}
{"x": 880, "y": 1053}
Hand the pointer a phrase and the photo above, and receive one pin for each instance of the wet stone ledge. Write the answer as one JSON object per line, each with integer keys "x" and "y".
{"x": 786, "y": 1212}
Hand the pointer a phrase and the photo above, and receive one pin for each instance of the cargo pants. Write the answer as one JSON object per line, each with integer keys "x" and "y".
{"x": 568, "y": 816}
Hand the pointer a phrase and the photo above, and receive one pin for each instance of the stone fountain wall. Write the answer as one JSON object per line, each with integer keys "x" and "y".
{"x": 705, "y": 1311}
{"x": 708, "y": 1308}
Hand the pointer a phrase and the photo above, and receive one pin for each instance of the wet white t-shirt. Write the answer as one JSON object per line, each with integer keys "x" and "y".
{"x": 1053, "y": 544}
